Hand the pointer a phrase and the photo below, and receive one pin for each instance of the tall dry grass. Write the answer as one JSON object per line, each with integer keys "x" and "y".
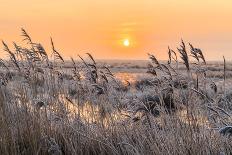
{"x": 47, "y": 109}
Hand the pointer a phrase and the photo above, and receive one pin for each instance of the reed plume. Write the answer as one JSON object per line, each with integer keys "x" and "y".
{"x": 56, "y": 53}
{"x": 184, "y": 55}
{"x": 12, "y": 55}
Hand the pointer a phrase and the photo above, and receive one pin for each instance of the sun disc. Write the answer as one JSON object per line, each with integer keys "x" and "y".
{"x": 126, "y": 42}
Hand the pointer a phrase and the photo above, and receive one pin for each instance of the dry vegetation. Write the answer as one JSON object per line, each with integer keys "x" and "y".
{"x": 46, "y": 108}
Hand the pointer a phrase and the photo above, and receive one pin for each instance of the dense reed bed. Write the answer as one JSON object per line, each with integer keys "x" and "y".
{"x": 46, "y": 108}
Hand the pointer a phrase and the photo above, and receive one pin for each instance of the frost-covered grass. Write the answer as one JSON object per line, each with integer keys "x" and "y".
{"x": 86, "y": 108}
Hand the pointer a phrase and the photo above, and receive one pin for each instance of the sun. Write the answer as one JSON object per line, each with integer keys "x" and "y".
{"x": 126, "y": 42}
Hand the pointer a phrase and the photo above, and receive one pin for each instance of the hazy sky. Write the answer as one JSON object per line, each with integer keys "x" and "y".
{"x": 100, "y": 26}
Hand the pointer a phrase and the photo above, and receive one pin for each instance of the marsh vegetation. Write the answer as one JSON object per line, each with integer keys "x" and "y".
{"x": 82, "y": 106}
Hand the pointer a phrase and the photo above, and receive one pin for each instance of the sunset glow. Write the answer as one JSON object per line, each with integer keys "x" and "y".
{"x": 78, "y": 26}
{"x": 126, "y": 42}
{"x": 115, "y": 77}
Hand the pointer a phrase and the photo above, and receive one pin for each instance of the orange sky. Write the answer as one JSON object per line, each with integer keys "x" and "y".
{"x": 99, "y": 26}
